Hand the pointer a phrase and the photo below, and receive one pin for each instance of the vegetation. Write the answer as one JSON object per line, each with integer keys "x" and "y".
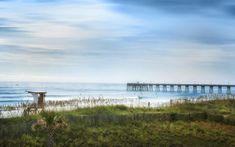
{"x": 49, "y": 123}
{"x": 209, "y": 123}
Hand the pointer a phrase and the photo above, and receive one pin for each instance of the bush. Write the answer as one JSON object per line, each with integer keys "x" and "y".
{"x": 197, "y": 116}
{"x": 173, "y": 116}
{"x": 29, "y": 141}
{"x": 216, "y": 118}
{"x": 48, "y": 116}
{"x": 121, "y": 107}
{"x": 229, "y": 120}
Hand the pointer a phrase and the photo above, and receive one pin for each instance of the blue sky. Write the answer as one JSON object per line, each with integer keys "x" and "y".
{"x": 118, "y": 40}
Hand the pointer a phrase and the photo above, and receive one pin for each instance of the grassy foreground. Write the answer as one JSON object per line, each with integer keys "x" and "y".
{"x": 204, "y": 124}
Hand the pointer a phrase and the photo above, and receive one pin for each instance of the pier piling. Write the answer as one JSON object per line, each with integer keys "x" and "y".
{"x": 179, "y": 89}
{"x": 172, "y": 88}
{"x": 187, "y": 88}
{"x": 194, "y": 88}
{"x": 211, "y": 90}
{"x": 203, "y": 89}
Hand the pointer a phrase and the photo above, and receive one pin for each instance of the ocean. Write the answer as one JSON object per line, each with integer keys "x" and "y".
{"x": 15, "y": 92}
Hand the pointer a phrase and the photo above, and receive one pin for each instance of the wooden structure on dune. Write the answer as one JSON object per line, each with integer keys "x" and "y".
{"x": 38, "y": 102}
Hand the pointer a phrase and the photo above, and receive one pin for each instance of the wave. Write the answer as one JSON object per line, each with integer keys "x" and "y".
{"x": 16, "y": 91}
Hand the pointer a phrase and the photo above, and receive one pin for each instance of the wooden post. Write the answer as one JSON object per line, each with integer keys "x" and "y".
{"x": 41, "y": 100}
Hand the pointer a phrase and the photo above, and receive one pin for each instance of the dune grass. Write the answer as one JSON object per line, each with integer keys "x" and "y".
{"x": 209, "y": 123}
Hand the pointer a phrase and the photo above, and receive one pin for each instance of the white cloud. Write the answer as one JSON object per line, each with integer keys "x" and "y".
{"x": 3, "y": 41}
{"x": 56, "y": 30}
{"x": 94, "y": 40}
{"x": 32, "y": 78}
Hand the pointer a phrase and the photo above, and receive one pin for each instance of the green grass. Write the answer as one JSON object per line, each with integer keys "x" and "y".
{"x": 203, "y": 124}
{"x": 216, "y": 106}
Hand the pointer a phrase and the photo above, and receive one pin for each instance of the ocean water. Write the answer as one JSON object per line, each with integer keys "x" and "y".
{"x": 15, "y": 92}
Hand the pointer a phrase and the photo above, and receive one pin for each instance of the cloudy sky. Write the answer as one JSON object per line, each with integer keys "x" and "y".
{"x": 118, "y": 40}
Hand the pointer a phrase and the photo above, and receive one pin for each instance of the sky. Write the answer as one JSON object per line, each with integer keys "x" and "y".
{"x": 118, "y": 41}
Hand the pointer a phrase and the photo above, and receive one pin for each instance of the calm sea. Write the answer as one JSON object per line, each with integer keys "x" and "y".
{"x": 15, "y": 92}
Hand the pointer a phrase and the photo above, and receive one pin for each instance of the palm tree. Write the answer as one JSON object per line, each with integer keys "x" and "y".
{"x": 49, "y": 123}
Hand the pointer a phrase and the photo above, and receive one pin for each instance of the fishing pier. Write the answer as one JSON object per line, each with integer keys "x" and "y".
{"x": 187, "y": 88}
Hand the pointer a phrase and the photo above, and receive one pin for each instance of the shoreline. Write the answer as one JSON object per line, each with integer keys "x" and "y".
{"x": 91, "y": 102}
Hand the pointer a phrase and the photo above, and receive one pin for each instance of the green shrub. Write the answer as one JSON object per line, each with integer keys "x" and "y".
{"x": 216, "y": 118}
{"x": 173, "y": 116}
{"x": 48, "y": 116}
{"x": 29, "y": 141}
{"x": 121, "y": 107}
{"x": 197, "y": 116}
{"x": 229, "y": 120}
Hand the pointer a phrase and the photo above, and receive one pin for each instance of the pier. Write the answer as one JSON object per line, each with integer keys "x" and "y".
{"x": 187, "y": 88}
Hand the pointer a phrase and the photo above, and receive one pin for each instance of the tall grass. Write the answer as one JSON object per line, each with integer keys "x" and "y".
{"x": 203, "y": 123}
{"x": 121, "y": 114}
